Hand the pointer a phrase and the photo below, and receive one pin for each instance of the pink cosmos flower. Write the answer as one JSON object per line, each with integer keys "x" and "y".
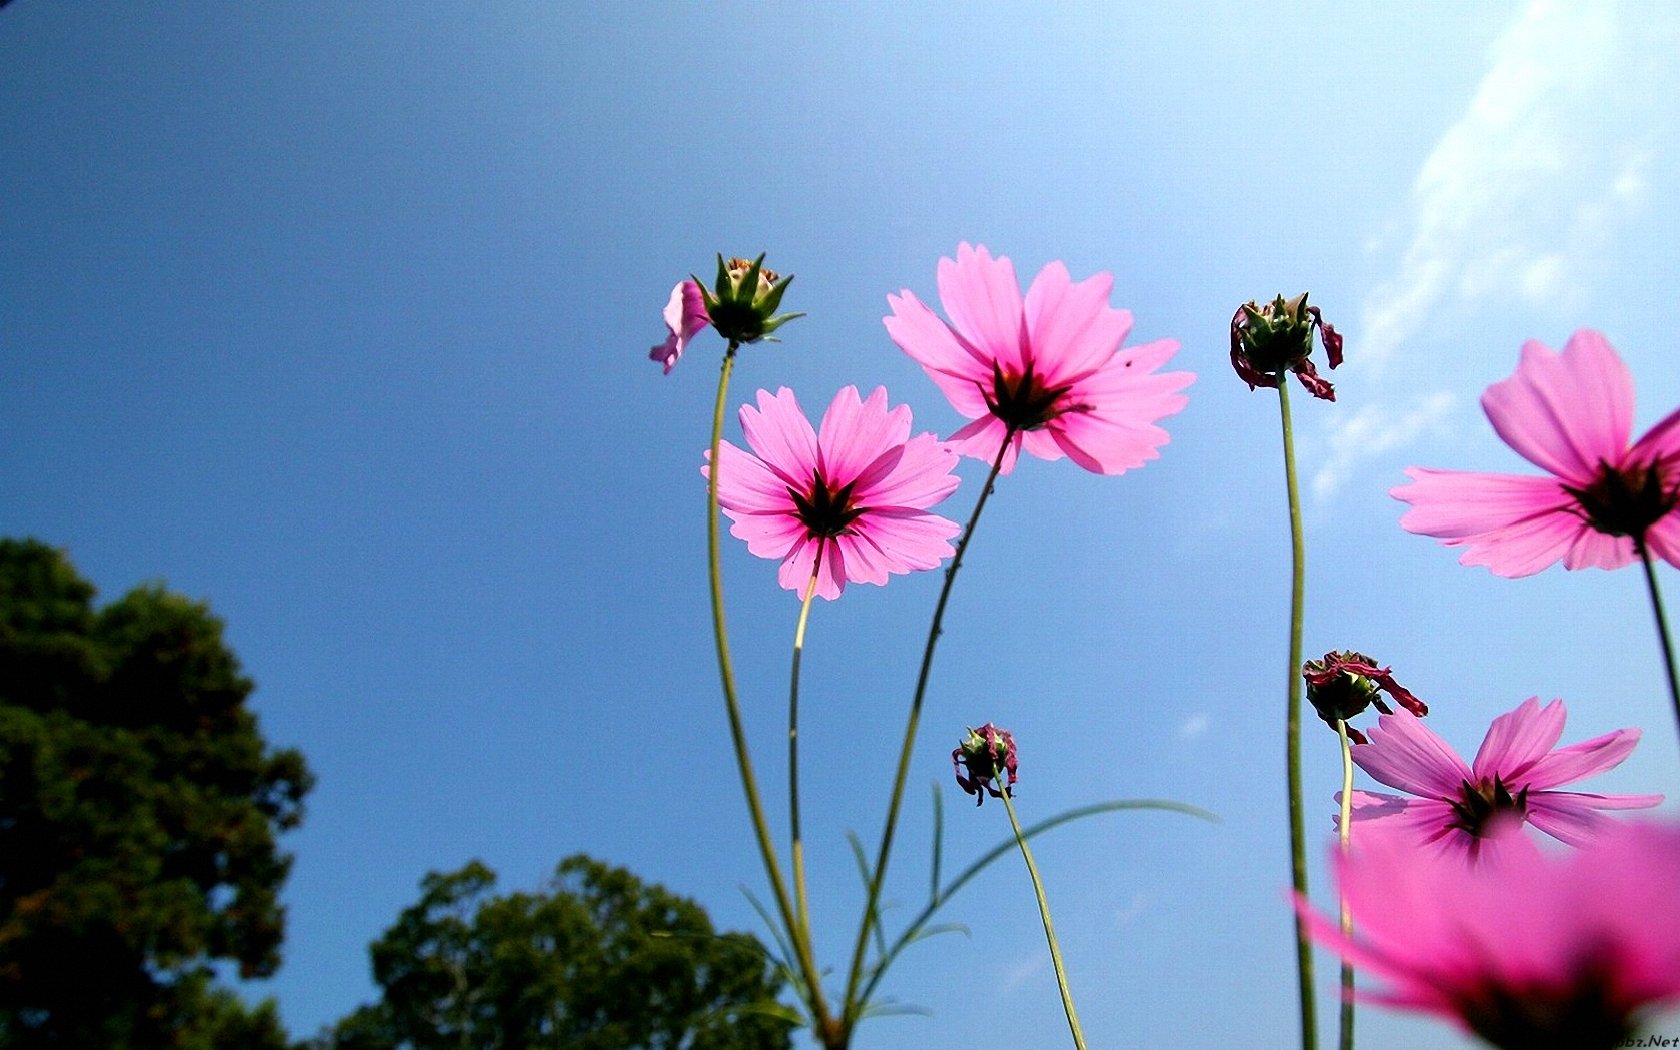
{"x": 1048, "y": 373}
{"x": 1570, "y": 414}
{"x": 1513, "y": 776}
{"x": 685, "y": 317}
{"x": 849, "y": 500}
{"x": 1531, "y": 951}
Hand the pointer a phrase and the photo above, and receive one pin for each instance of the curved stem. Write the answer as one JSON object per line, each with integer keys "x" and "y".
{"x": 1049, "y": 927}
{"x": 737, "y": 733}
{"x": 802, "y": 900}
{"x": 1662, "y": 627}
{"x": 1343, "y": 831}
{"x": 852, "y": 1005}
{"x": 1292, "y": 726}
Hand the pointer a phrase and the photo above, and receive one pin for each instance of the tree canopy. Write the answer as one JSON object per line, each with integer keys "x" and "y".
{"x": 139, "y": 810}
{"x": 597, "y": 960}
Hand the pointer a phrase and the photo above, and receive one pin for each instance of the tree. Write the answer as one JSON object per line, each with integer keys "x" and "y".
{"x": 600, "y": 961}
{"x": 139, "y": 808}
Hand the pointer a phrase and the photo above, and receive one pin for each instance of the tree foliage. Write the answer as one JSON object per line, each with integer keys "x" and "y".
{"x": 139, "y": 807}
{"x": 597, "y": 961}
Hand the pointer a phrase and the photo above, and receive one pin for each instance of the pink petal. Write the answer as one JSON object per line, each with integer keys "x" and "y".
{"x": 1574, "y": 817}
{"x": 920, "y": 477}
{"x": 855, "y": 433}
{"x": 961, "y": 372}
{"x": 1660, "y": 442}
{"x": 1073, "y": 329}
{"x": 983, "y": 300}
{"x": 1517, "y": 739}
{"x": 1565, "y": 412}
{"x": 1514, "y": 524}
{"x": 982, "y": 438}
{"x": 746, "y": 484}
{"x": 1579, "y": 761}
{"x": 685, "y": 317}
{"x": 1664, "y": 539}
{"x": 1412, "y": 820}
{"x": 1406, "y": 754}
{"x": 1591, "y": 549}
{"x": 780, "y": 435}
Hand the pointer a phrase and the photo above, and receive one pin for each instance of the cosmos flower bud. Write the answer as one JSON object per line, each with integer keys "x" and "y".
{"x": 985, "y": 756}
{"x": 742, "y": 302}
{"x": 1268, "y": 340}
{"x": 1343, "y": 684}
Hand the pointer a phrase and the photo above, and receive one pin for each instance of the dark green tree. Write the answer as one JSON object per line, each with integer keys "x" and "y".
{"x": 598, "y": 961}
{"x": 139, "y": 807}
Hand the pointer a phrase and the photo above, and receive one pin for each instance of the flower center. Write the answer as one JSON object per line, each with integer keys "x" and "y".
{"x": 1023, "y": 402}
{"x": 825, "y": 511}
{"x": 1481, "y": 802}
{"x": 1625, "y": 501}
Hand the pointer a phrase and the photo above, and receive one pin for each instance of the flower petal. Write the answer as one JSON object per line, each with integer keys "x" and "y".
{"x": 782, "y": 437}
{"x": 1574, "y": 817}
{"x": 1405, "y": 753}
{"x": 1566, "y": 412}
{"x": 983, "y": 300}
{"x": 1514, "y": 524}
{"x": 855, "y": 433}
{"x": 1072, "y": 328}
{"x": 961, "y": 372}
{"x": 1517, "y": 740}
{"x": 1579, "y": 761}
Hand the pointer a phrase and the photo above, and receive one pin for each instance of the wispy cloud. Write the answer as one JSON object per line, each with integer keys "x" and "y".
{"x": 1520, "y": 202}
{"x": 1194, "y": 727}
{"x": 1521, "y": 194}
{"x": 1374, "y": 429}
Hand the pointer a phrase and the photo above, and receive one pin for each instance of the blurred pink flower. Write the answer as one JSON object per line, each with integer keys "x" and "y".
{"x": 1529, "y": 951}
{"x": 1047, "y": 374}
{"x": 854, "y": 494}
{"x": 686, "y": 317}
{"x": 1512, "y": 776}
{"x": 1570, "y": 414}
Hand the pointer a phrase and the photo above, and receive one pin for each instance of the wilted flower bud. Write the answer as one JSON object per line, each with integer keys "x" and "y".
{"x": 743, "y": 301}
{"x": 986, "y": 754}
{"x": 1268, "y": 340}
{"x": 1343, "y": 684}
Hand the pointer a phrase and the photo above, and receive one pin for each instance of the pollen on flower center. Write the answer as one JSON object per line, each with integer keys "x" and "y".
{"x": 1023, "y": 402}
{"x": 825, "y": 511}
{"x": 1481, "y": 802}
{"x": 1626, "y": 501}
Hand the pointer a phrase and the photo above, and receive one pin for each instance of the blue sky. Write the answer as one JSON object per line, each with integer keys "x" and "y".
{"x": 336, "y": 316}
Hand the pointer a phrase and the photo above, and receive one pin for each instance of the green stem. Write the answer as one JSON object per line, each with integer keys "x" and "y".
{"x": 1292, "y": 726}
{"x": 853, "y": 1005}
{"x": 1662, "y": 627}
{"x": 1343, "y": 831}
{"x": 803, "y": 901}
{"x": 1049, "y": 927}
{"x": 737, "y": 733}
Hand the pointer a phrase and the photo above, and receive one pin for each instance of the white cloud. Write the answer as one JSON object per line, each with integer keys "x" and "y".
{"x": 1374, "y": 429}
{"x": 1522, "y": 195}
{"x": 1195, "y": 726}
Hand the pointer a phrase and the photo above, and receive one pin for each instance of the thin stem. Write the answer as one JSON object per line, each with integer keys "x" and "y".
{"x": 853, "y": 1006}
{"x": 1343, "y": 830}
{"x": 1049, "y": 927}
{"x": 1292, "y": 726}
{"x": 1662, "y": 626}
{"x": 737, "y": 733}
{"x": 803, "y": 902}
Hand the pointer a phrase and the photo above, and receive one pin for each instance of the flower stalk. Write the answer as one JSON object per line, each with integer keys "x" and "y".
{"x": 801, "y": 898}
{"x": 1662, "y": 628}
{"x": 853, "y": 1003}
{"x": 1344, "y": 830}
{"x": 737, "y": 732}
{"x": 1049, "y": 927}
{"x": 1292, "y": 727}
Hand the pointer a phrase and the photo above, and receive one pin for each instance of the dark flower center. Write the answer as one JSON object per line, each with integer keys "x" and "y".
{"x": 1625, "y": 501}
{"x": 1481, "y": 802}
{"x": 1023, "y": 402}
{"x": 1586, "y": 1014}
{"x": 825, "y": 511}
